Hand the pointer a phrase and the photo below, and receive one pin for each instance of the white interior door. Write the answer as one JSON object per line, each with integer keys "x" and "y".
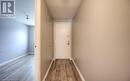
{"x": 62, "y": 40}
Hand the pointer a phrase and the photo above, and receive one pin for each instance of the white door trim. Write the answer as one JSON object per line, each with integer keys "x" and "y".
{"x": 38, "y": 7}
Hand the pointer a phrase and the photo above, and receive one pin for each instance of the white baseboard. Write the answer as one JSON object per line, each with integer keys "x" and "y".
{"x": 48, "y": 70}
{"x": 31, "y": 53}
{"x": 13, "y": 59}
{"x": 63, "y": 58}
{"x": 80, "y": 74}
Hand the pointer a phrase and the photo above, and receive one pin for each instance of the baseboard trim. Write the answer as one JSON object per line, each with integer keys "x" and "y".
{"x": 4, "y": 63}
{"x": 31, "y": 53}
{"x": 48, "y": 70}
{"x": 63, "y": 58}
{"x": 80, "y": 74}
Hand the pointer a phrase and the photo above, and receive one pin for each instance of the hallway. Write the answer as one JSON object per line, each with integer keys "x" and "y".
{"x": 93, "y": 33}
{"x": 21, "y": 69}
{"x": 63, "y": 70}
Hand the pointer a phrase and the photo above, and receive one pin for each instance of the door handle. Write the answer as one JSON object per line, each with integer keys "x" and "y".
{"x": 68, "y": 42}
{"x": 35, "y": 46}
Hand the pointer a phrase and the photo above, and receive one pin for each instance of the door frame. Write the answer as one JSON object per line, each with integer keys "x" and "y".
{"x": 38, "y": 7}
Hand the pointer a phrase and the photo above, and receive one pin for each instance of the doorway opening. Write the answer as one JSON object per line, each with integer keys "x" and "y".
{"x": 17, "y": 42}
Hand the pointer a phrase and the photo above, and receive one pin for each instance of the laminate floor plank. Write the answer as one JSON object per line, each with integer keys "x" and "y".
{"x": 63, "y": 70}
{"x": 21, "y": 69}
{"x": 70, "y": 73}
{"x": 76, "y": 74}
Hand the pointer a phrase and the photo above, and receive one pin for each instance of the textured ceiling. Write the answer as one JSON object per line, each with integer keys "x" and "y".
{"x": 63, "y": 9}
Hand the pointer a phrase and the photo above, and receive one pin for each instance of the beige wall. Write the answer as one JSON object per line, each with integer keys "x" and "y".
{"x": 46, "y": 39}
{"x": 100, "y": 40}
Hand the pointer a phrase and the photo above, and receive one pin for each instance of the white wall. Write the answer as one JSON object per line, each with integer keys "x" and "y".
{"x": 101, "y": 40}
{"x": 62, "y": 35}
{"x": 44, "y": 39}
{"x": 31, "y": 39}
{"x": 13, "y": 39}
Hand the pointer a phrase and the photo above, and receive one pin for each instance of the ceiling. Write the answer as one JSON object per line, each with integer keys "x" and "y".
{"x": 63, "y": 9}
{"x": 24, "y": 8}
{"x": 59, "y": 9}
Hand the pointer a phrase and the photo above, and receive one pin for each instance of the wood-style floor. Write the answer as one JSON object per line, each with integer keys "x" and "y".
{"x": 63, "y": 70}
{"x": 19, "y": 70}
